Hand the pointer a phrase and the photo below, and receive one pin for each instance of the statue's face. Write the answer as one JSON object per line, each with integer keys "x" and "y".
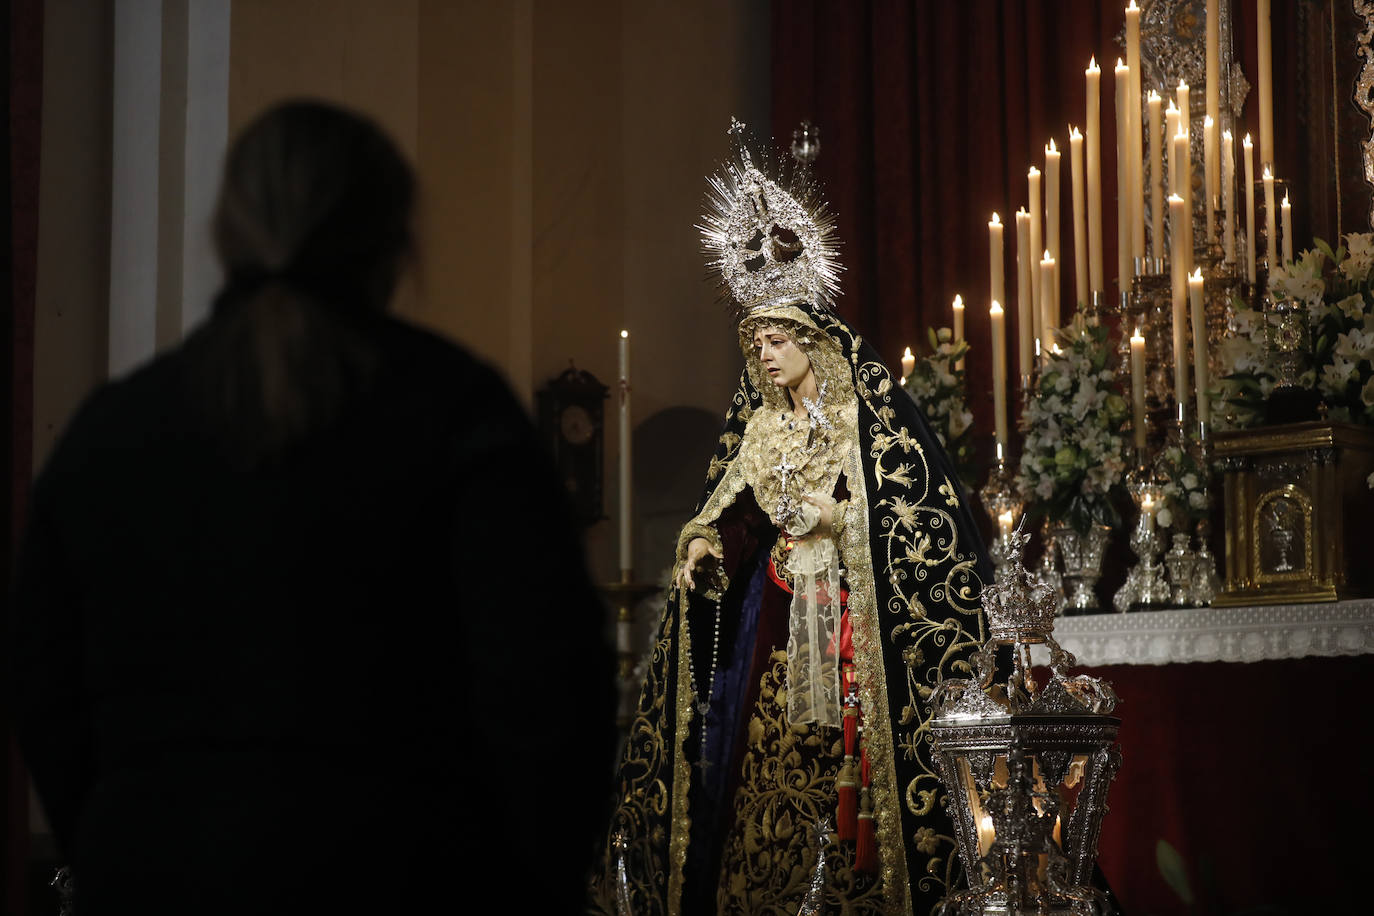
{"x": 782, "y": 359}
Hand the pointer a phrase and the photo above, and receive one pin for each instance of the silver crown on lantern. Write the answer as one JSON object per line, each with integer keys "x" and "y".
{"x": 1018, "y": 607}
{"x": 769, "y": 234}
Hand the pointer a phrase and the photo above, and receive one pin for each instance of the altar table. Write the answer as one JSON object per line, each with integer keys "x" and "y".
{"x": 1246, "y": 738}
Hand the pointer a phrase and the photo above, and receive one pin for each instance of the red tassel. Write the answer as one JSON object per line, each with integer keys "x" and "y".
{"x": 866, "y": 846}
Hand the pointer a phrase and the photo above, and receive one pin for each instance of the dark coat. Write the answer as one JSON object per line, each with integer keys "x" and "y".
{"x": 367, "y": 673}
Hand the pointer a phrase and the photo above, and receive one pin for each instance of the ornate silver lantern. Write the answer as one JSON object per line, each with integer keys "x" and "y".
{"x": 1026, "y": 765}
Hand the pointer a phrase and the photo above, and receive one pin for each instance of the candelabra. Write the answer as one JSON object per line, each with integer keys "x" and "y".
{"x": 1145, "y": 586}
{"x": 1004, "y": 505}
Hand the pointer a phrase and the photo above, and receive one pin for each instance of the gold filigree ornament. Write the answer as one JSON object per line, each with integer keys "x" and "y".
{"x": 768, "y": 233}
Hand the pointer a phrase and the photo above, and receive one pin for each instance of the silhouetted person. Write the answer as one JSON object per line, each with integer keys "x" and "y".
{"x": 301, "y": 622}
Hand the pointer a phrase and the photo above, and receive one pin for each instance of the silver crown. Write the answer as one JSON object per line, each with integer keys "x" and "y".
{"x": 1018, "y": 608}
{"x": 770, "y": 236}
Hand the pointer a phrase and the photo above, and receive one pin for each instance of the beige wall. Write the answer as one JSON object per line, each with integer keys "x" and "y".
{"x": 560, "y": 148}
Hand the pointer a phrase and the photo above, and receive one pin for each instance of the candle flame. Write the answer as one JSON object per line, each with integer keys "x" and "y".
{"x": 1092, "y": 65}
{"x": 996, "y": 308}
{"x": 1138, "y": 336}
{"x": 625, "y": 334}
{"x": 1152, "y": 97}
{"x": 1047, "y": 256}
{"x": 1182, "y": 85}
{"x": 1051, "y": 148}
{"x": 996, "y": 220}
{"x": 1196, "y": 275}
{"x": 906, "y": 354}
{"x": 1226, "y": 135}
{"x": 1246, "y": 141}
{"x": 1172, "y": 107}
{"x": 1268, "y": 175}
{"x": 1121, "y": 64}
{"x": 1033, "y": 173}
{"x": 1074, "y": 134}
{"x": 1285, "y": 199}
{"x": 958, "y": 301}
{"x": 1175, "y": 197}
{"x": 1132, "y": 8}
{"x": 1207, "y": 121}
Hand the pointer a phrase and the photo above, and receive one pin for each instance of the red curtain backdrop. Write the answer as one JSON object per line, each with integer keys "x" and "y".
{"x": 22, "y": 56}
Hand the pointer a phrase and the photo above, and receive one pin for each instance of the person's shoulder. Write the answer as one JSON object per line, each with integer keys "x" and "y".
{"x": 427, "y": 352}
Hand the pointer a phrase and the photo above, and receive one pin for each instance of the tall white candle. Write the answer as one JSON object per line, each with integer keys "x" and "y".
{"x": 1138, "y": 388}
{"x": 1171, "y": 130}
{"x": 1228, "y": 190}
{"x": 1025, "y": 321}
{"x": 1182, "y": 154}
{"x": 1213, "y": 76}
{"x": 1037, "y": 241}
{"x": 1092, "y": 141}
{"x": 1123, "y": 179}
{"x": 1209, "y": 174}
{"x": 1185, "y": 114}
{"x": 999, "y": 374}
{"x": 1249, "y": 149}
{"x": 1049, "y": 320}
{"x": 1195, "y": 289}
{"x": 997, "y": 280}
{"x": 626, "y": 461}
{"x": 1271, "y": 250}
{"x": 1179, "y": 276}
{"x": 1052, "y": 157}
{"x": 1080, "y": 216}
{"x": 958, "y": 309}
{"x": 1286, "y": 211}
{"x": 1135, "y": 133}
{"x": 1266, "y": 83}
{"x": 1156, "y": 182}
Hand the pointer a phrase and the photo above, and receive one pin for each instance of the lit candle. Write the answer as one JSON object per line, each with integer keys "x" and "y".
{"x": 1204, "y": 407}
{"x": 1271, "y": 234}
{"x": 626, "y": 541}
{"x": 1004, "y": 524}
{"x": 1092, "y": 140}
{"x": 997, "y": 280}
{"x": 908, "y": 364}
{"x": 1147, "y": 512}
{"x": 1049, "y": 319}
{"x": 1286, "y": 212}
{"x": 1123, "y": 179}
{"x": 958, "y": 325}
{"x": 1213, "y": 76}
{"x": 1037, "y": 216}
{"x": 1185, "y": 115}
{"x": 1025, "y": 323}
{"x": 1138, "y": 388}
{"x": 1156, "y": 182}
{"x": 1080, "y": 214}
{"x": 1228, "y": 186}
{"x": 1052, "y": 157}
{"x": 1249, "y": 149}
{"x": 1135, "y": 132}
{"x": 1209, "y": 165}
{"x": 999, "y": 374}
{"x": 1179, "y": 276}
{"x": 1266, "y": 83}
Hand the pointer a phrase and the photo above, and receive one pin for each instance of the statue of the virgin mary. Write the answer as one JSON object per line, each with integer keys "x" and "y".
{"x": 778, "y": 761}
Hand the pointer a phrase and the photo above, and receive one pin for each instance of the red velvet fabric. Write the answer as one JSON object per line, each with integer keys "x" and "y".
{"x": 1256, "y": 773}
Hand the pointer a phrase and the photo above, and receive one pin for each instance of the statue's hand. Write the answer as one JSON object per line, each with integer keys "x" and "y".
{"x": 697, "y": 551}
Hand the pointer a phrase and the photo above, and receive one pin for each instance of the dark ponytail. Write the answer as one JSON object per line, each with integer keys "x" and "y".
{"x": 312, "y": 228}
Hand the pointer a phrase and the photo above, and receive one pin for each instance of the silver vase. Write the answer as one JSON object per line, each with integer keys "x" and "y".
{"x": 1082, "y": 556}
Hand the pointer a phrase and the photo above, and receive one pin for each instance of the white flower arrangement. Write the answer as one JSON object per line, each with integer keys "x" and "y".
{"x": 1074, "y": 455}
{"x": 1335, "y": 288}
{"x": 936, "y": 384}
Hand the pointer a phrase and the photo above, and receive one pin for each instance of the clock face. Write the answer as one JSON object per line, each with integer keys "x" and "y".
{"x": 576, "y": 425}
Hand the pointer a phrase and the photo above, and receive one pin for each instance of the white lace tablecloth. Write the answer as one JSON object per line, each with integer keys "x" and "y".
{"x": 1224, "y": 634}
